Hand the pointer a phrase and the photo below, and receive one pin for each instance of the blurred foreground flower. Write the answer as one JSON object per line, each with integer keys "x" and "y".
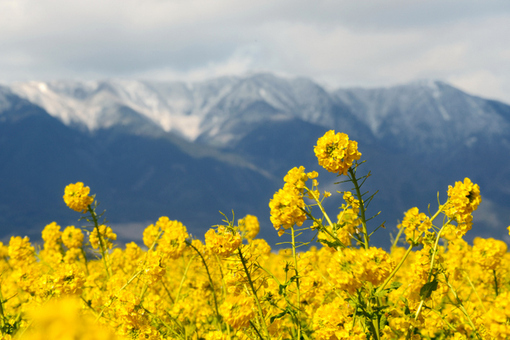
{"x": 64, "y": 319}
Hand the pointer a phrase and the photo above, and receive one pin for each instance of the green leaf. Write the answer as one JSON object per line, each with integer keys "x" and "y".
{"x": 292, "y": 279}
{"x": 395, "y": 285}
{"x": 381, "y": 294}
{"x": 277, "y": 316}
{"x": 384, "y": 292}
{"x": 383, "y": 321}
{"x": 427, "y": 289}
{"x": 330, "y": 244}
{"x": 281, "y": 289}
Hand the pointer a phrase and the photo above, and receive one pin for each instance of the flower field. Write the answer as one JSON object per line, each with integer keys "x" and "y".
{"x": 431, "y": 285}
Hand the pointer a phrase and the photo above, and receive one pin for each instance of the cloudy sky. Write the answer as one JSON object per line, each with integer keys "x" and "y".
{"x": 337, "y": 43}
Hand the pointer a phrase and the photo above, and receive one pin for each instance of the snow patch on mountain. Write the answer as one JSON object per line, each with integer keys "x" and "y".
{"x": 431, "y": 111}
{"x": 90, "y": 103}
{"x": 59, "y": 105}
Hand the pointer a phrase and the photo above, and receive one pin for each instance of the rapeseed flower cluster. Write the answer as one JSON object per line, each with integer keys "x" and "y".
{"x": 463, "y": 199}
{"x": 224, "y": 241}
{"x": 432, "y": 284}
{"x": 77, "y": 197}
{"x": 102, "y": 232}
{"x": 335, "y": 320}
{"x": 249, "y": 226}
{"x": 287, "y": 205}
{"x": 336, "y": 152}
{"x": 415, "y": 224}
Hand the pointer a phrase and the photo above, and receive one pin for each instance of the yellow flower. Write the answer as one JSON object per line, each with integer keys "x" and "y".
{"x": 463, "y": 199}
{"x": 287, "y": 209}
{"x": 20, "y": 250}
{"x": 107, "y": 234}
{"x": 68, "y": 280}
{"x": 173, "y": 241}
{"x": 296, "y": 177}
{"x": 72, "y": 237}
{"x": 260, "y": 247}
{"x": 488, "y": 252}
{"x": 151, "y": 235}
{"x": 351, "y": 267}
{"x": 334, "y": 321}
{"x": 77, "y": 197}
{"x": 72, "y": 255}
{"x": 414, "y": 224}
{"x": 153, "y": 267}
{"x": 335, "y": 152}
{"x": 51, "y": 235}
{"x": 237, "y": 311}
{"x": 169, "y": 236}
{"x": 497, "y": 317}
{"x": 223, "y": 243}
{"x": 249, "y": 226}
{"x": 216, "y": 335}
{"x": 4, "y": 251}
{"x": 287, "y": 204}
{"x": 312, "y": 174}
{"x": 65, "y": 319}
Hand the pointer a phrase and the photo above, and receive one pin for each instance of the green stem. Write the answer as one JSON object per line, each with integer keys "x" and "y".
{"x": 210, "y": 279}
{"x": 252, "y": 287}
{"x": 375, "y": 326}
{"x": 223, "y": 284}
{"x": 112, "y": 299}
{"x": 439, "y": 210}
{"x": 435, "y": 251}
{"x": 461, "y": 306}
{"x": 422, "y": 301}
{"x": 319, "y": 204}
{"x": 352, "y": 177}
{"x": 86, "y": 261}
{"x": 366, "y": 237}
{"x": 394, "y": 245}
{"x": 297, "y": 281}
{"x": 256, "y": 330}
{"x": 430, "y": 271}
{"x": 397, "y": 268}
{"x": 93, "y": 311}
{"x": 183, "y": 278}
{"x": 495, "y": 282}
{"x": 476, "y": 292}
{"x": 167, "y": 291}
{"x": 101, "y": 241}
{"x": 407, "y": 253}
{"x": 2, "y": 307}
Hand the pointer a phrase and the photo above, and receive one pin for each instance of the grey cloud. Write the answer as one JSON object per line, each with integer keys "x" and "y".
{"x": 336, "y": 41}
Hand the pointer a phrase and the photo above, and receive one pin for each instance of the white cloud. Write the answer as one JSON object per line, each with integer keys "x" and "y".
{"x": 341, "y": 43}
{"x": 239, "y": 63}
{"x": 483, "y": 83}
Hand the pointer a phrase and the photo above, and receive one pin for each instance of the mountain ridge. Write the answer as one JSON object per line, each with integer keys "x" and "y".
{"x": 198, "y": 110}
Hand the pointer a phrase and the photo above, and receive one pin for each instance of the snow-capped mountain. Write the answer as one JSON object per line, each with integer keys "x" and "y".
{"x": 431, "y": 114}
{"x": 221, "y": 111}
{"x": 207, "y": 110}
{"x": 96, "y": 104}
{"x": 155, "y": 148}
